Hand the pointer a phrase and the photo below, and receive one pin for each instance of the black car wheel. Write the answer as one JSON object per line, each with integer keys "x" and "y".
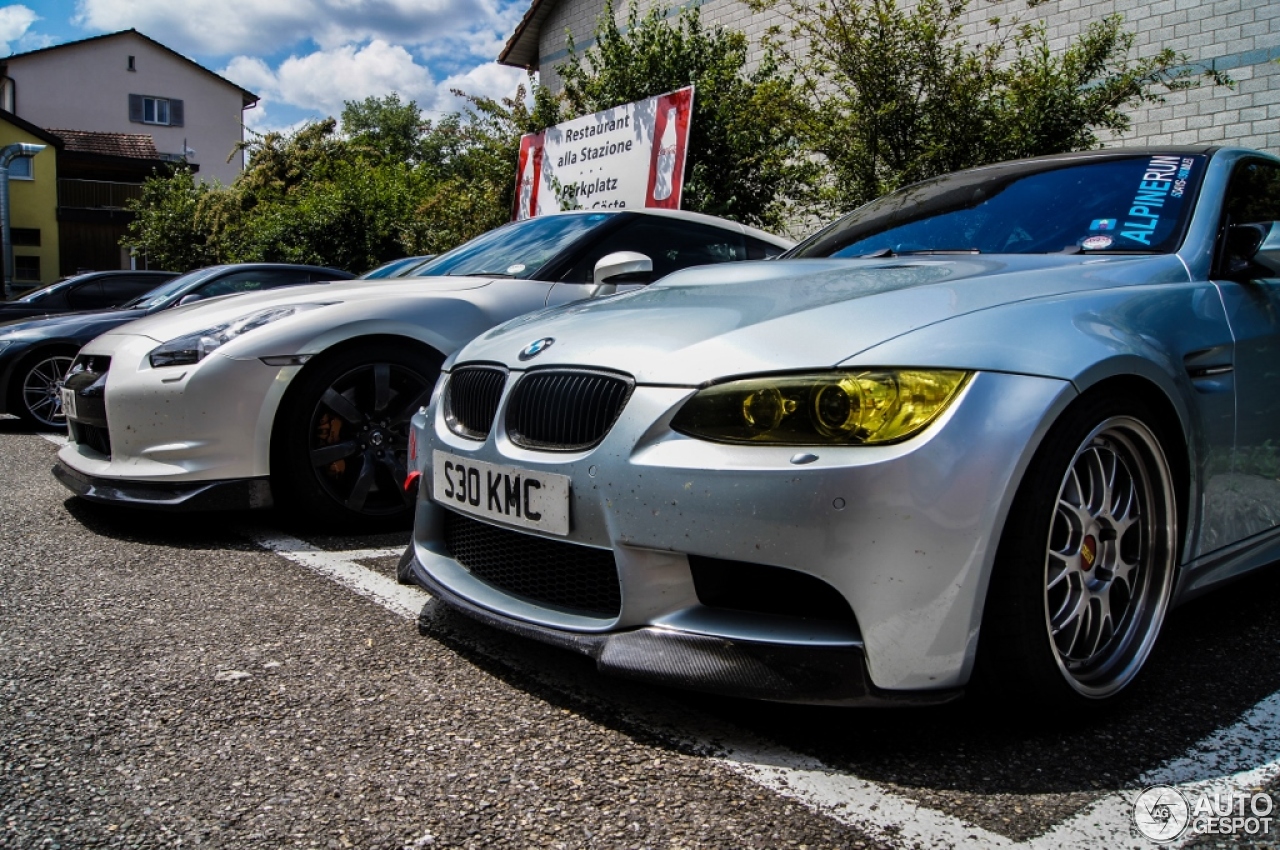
{"x": 1086, "y": 566}
{"x": 343, "y": 437}
{"x": 37, "y": 389}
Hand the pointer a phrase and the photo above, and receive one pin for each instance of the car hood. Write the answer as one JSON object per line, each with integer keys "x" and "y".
{"x": 705, "y": 323}
{"x": 179, "y": 321}
{"x": 71, "y": 325}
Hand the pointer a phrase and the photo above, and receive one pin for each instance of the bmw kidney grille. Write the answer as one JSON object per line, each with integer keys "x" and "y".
{"x": 565, "y": 410}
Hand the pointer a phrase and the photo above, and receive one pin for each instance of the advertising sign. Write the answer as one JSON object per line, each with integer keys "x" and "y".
{"x": 631, "y": 156}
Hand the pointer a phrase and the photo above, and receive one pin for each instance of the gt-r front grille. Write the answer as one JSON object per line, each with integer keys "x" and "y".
{"x": 87, "y": 381}
{"x": 565, "y": 410}
{"x": 471, "y": 400}
{"x": 93, "y": 436}
{"x": 551, "y": 573}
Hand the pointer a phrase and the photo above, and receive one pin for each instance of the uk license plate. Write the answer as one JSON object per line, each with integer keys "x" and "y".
{"x": 504, "y": 494}
{"x": 68, "y": 403}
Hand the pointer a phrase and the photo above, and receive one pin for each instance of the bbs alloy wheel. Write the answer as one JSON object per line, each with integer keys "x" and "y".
{"x": 1086, "y": 565}
{"x": 1108, "y": 570}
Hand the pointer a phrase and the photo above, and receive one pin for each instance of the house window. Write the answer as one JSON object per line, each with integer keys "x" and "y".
{"x": 28, "y": 236}
{"x": 165, "y": 111}
{"x": 155, "y": 110}
{"x": 26, "y": 268}
{"x": 131, "y": 65}
{"x": 21, "y": 168}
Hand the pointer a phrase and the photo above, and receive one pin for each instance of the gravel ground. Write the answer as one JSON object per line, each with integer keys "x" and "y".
{"x": 163, "y": 682}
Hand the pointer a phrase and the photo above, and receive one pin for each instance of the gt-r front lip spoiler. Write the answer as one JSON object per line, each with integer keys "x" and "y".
{"x": 735, "y": 668}
{"x": 230, "y": 495}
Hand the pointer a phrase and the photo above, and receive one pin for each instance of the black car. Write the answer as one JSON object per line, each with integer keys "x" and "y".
{"x": 87, "y": 291}
{"x": 36, "y": 353}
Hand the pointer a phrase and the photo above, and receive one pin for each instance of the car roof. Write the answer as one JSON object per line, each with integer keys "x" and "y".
{"x": 686, "y": 215}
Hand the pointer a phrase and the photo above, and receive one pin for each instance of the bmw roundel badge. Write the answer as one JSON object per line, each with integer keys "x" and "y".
{"x": 533, "y": 349}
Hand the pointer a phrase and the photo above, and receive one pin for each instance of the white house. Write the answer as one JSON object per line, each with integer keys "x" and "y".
{"x": 125, "y": 82}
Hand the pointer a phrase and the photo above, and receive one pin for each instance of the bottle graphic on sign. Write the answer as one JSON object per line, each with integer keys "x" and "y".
{"x": 526, "y": 188}
{"x": 664, "y": 178}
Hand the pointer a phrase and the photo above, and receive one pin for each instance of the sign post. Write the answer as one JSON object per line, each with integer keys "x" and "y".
{"x": 628, "y": 157}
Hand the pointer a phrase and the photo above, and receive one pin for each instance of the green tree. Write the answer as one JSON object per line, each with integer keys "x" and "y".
{"x": 894, "y": 95}
{"x": 388, "y": 185}
{"x": 167, "y": 227}
{"x": 743, "y": 161}
{"x": 469, "y": 163}
{"x": 385, "y": 125}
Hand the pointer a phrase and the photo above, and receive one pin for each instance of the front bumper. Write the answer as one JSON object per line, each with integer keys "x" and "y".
{"x": 234, "y": 495}
{"x": 903, "y": 534}
{"x": 830, "y": 675}
{"x": 172, "y": 429}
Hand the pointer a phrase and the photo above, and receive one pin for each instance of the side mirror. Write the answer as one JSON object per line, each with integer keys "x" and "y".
{"x": 621, "y": 267}
{"x": 1253, "y": 249}
{"x": 190, "y": 298}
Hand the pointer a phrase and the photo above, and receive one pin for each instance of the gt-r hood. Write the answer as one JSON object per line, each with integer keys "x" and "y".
{"x": 741, "y": 318}
{"x": 179, "y": 321}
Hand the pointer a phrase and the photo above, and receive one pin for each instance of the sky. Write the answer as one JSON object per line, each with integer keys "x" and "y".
{"x": 304, "y": 58}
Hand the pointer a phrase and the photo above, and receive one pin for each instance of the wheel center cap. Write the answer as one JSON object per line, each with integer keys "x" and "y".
{"x": 376, "y": 438}
{"x": 1089, "y": 551}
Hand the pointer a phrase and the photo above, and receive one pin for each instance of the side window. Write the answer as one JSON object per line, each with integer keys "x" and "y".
{"x": 672, "y": 244}
{"x": 252, "y": 281}
{"x": 87, "y": 296}
{"x": 760, "y": 250}
{"x": 1252, "y": 198}
{"x": 117, "y": 290}
{"x": 1254, "y": 194}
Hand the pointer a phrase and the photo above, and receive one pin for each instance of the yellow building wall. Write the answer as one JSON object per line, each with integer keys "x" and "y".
{"x": 33, "y": 206}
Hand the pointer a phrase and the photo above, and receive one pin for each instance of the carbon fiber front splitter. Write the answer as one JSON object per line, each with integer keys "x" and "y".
{"x": 736, "y": 668}
{"x": 231, "y": 495}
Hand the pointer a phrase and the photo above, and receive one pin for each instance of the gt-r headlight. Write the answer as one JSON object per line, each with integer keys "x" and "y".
{"x": 870, "y": 407}
{"x": 195, "y": 347}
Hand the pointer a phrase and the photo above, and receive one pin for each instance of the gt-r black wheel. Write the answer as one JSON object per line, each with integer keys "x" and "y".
{"x": 37, "y": 389}
{"x": 1087, "y": 563}
{"x": 341, "y": 444}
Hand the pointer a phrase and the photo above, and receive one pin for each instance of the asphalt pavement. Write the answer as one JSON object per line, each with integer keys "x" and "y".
{"x": 172, "y": 680}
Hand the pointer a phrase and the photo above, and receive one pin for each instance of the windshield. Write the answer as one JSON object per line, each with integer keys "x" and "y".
{"x": 171, "y": 289}
{"x": 515, "y": 250}
{"x": 1124, "y": 204}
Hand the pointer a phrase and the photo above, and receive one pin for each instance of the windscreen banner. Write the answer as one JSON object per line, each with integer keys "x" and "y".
{"x": 628, "y": 157}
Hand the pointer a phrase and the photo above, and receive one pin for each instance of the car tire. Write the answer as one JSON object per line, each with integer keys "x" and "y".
{"x": 340, "y": 443}
{"x": 1086, "y": 566}
{"x": 35, "y": 386}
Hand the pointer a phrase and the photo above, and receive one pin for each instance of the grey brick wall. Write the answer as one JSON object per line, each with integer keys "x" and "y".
{"x": 1241, "y": 37}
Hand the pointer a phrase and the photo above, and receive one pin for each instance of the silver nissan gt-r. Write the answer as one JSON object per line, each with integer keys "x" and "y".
{"x": 301, "y": 398}
{"x": 993, "y": 425}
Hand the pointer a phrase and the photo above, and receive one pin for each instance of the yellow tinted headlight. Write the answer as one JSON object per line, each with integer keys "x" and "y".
{"x": 871, "y": 407}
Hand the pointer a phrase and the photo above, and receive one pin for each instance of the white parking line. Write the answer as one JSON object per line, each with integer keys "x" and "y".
{"x": 345, "y": 569}
{"x": 56, "y": 439}
{"x": 1241, "y": 758}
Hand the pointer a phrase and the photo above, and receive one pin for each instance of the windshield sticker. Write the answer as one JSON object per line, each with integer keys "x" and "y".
{"x": 1103, "y": 224}
{"x": 1096, "y": 243}
{"x": 1165, "y": 177}
{"x": 515, "y": 269}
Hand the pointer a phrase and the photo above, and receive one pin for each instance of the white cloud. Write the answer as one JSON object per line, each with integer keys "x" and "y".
{"x": 325, "y": 80}
{"x": 490, "y": 80}
{"x": 227, "y": 27}
{"x": 14, "y": 23}
{"x": 322, "y": 82}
